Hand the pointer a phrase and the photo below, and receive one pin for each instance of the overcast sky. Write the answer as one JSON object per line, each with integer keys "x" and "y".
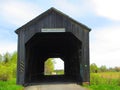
{"x": 102, "y": 16}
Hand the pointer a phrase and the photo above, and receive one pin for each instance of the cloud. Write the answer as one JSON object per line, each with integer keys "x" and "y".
{"x": 8, "y": 47}
{"x": 75, "y": 9}
{"x": 105, "y": 46}
{"x": 105, "y": 42}
{"x": 59, "y": 63}
{"x": 107, "y": 8}
{"x": 17, "y": 12}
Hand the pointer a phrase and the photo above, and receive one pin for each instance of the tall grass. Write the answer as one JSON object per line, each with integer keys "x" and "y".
{"x": 105, "y": 81}
{"x": 9, "y": 85}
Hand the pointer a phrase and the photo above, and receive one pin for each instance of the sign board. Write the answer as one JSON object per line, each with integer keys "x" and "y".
{"x": 53, "y": 30}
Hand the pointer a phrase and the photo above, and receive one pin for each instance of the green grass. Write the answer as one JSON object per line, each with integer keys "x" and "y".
{"x": 9, "y": 85}
{"x": 98, "y": 81}
{"x": 105, "y": 81}
{"x": 104, "y": 87}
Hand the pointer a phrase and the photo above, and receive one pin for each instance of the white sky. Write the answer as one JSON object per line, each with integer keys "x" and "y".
{"x": 59, "y": 64}
{"x": 102, "y": 16}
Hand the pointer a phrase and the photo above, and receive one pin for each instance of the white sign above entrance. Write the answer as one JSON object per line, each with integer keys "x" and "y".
{"x": 53, "y": 30}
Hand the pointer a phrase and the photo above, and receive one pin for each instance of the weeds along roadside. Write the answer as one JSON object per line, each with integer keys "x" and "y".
{"x": 10, "y": 85}
{"x": 104, "y": 81}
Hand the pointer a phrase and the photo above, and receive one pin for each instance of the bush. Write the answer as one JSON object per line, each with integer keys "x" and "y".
{"x": 5, "y": 73}
{"x": 8, "y": 66}
{"x": 95, "y": 79}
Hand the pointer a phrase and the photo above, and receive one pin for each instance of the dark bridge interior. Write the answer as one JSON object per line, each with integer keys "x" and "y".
{"x": 53, "y": 45}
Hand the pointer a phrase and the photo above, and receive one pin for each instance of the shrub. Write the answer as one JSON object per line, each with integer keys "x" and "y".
{"x": 5, "y": 73}
{"x": 95, "y": 79}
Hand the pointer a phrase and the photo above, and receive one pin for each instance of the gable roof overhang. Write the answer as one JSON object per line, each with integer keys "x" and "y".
{"x": 47, "y": 13}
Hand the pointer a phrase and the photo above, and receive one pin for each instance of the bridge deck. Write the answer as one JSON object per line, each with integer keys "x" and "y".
{"x": 55, "y": 87}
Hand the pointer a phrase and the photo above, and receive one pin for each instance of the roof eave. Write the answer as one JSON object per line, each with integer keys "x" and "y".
{"x": 45, "y": 13}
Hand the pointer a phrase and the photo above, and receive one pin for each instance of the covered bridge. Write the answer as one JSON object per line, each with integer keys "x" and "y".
{"x": 53, "y": 34}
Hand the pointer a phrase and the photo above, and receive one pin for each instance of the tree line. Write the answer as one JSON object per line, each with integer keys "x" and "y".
{"x": 8, "y": 66}
{"x": 94, "y": 68}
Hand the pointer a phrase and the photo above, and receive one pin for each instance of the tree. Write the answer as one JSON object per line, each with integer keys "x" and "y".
{"x": 6, "y": 57}
{"x": 14, "y": 57}
{"x": 49, "y": 66}
{"x": 0, "y": 58}
{"x": 8, "y": 66}
{"x": 117, "y": 69}
{"x": 93, "y": 68}
{"x": 110, "y": 69}
{"x": 103, "y": 68}
{"x": 13, "y": 62}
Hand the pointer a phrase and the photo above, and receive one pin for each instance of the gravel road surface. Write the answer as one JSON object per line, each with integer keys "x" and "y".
{"x": 55, "y": 87}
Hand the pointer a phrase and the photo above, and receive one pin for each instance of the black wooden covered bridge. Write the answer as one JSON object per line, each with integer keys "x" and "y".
{"x": 53, "y": 35}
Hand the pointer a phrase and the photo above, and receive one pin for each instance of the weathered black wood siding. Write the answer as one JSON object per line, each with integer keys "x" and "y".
{"x": 53, "y": 19}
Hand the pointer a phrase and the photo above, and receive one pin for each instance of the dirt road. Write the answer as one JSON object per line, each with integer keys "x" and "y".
{"x": 55, "y": 87}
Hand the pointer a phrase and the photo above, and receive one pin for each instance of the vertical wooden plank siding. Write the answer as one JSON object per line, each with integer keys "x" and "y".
{"x": 54, "y": 19}
{"x": 21, "y": 58}
{"x": 85, "y": 57}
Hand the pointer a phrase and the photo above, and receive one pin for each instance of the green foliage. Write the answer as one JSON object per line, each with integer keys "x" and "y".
{"x": 10, "y": 85}
{"x": 101, "y": 81}
{"x": 5, "y": 73}
{"x": 14, "y": 57}
{"x": 8, "y": 72}
{"x": 8, "y": 66}
{"x": 59, "y": 72}
{"x": 93, "y": 68}
{"x": 104, "y": 87}
{"x": 0, "y": 58}
{"x": 118, "y": 80}
{"x": 117, "y": 69}
{"x": 97, "y": 79}
{"x": 103, "y": 68}
{"x": 6, "y": 58}
{"x": 49, "y": 66}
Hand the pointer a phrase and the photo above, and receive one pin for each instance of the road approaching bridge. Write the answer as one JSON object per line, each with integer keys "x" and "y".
{"x": 55, "y": 87}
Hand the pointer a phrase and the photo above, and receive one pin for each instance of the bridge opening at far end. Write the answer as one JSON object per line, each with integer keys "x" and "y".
{"x": 54, "y": 66}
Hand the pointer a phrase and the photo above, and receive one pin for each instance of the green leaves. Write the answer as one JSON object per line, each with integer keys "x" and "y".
{"x": 8, "y": 66}
{"x": 93, "y": 68}
{"x": 49, "y": 67}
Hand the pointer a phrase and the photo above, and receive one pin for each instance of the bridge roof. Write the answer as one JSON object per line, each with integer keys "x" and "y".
{"x": 47, "y": 13}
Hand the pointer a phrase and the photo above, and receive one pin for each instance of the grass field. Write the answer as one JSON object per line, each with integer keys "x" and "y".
{"x": 9, "y": 85}
{"x": 99, "y": 81}
{"x": 114, "y": 75}
{"x": 105, "y": 81}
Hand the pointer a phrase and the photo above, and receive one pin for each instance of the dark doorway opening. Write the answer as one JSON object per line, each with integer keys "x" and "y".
{"x": 56, "y": 45}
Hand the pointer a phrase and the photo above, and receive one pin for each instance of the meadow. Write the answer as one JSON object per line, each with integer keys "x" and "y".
{"x": 104, "y": 81}
{"x": 99, "y": 81}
